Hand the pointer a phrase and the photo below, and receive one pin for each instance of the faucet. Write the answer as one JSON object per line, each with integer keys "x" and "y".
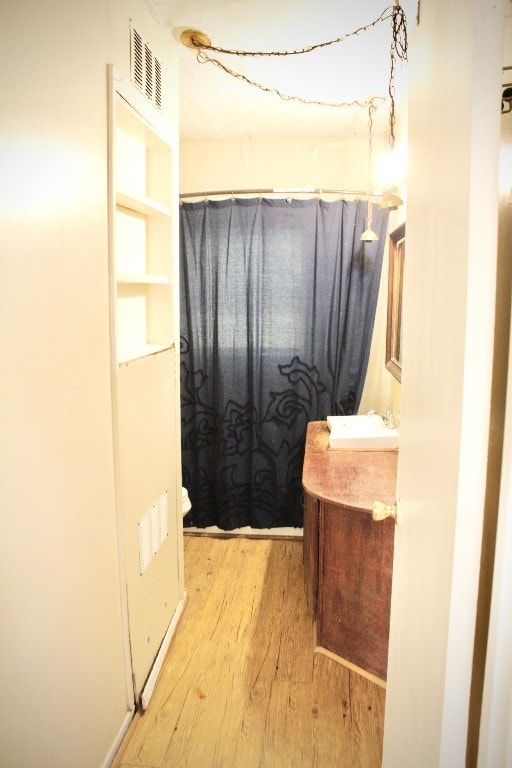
{"x": 391, "y": 419}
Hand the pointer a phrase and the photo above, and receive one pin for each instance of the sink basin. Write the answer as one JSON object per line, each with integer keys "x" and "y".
{"x": 361, "y": 433}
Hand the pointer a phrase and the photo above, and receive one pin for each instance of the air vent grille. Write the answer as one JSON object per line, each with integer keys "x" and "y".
{"x": 158, "y": 84}
{"x": 137, "y": 61}
{"x": 146, "y": 69}
{"x": 148, "y": 58}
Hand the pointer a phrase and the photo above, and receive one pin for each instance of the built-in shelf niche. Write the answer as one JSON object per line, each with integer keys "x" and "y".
{"x": 143, "y": 229}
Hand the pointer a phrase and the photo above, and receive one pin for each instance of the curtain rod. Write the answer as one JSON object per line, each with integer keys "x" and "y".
{"x": 278, "y": 191}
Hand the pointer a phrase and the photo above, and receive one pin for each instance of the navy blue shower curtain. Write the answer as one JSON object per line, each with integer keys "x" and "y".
{"x": 278, "y": 304}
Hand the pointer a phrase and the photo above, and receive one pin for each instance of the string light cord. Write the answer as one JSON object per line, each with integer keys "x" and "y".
{"x": 386, "y": 14}
{"x": 203, "y": 57}
{"x": 369, "y": 210}
{"x": 398, "y": 49}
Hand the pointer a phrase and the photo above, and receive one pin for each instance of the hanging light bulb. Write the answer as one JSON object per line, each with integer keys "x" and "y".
{"x": 390, "y": 200}
{"x": 369, "y": 235}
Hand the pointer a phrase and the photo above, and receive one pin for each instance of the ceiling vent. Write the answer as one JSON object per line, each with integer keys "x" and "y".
{"x": 146, "y": 69}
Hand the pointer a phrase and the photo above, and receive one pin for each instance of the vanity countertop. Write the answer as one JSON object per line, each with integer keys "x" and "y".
{"x": 352, "y": 478}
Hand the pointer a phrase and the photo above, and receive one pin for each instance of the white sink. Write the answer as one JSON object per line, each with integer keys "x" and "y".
{"x": 361, "y": 433}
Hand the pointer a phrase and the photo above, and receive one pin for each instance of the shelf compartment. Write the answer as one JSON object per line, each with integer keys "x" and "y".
{"x": 146, "y": 351}
{"x": 144, "y": 319}
{"x": 143, "y": 162}
{"x": 143, "y": 244}
{"x": 143, "y": 201}
{"x": 142, "y": 204}
{"x": 144, "y": 279}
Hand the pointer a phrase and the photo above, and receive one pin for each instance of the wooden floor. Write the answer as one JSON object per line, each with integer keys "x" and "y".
{"x": 241, "y": 686}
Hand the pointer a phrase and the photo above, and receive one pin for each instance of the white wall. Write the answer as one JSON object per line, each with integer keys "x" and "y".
{"x": 381, "y": 390}
{"x": 61, "y": 649}
{"x": 281, "y": 163}
{"x": 449, "y": 297}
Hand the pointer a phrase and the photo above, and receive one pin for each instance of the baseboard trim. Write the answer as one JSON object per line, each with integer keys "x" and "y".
{"x": 368, "y": 675}
{"x": 253, "y": 533}
{"x": 149, "y": 686}
{"x": 123, "y": 730}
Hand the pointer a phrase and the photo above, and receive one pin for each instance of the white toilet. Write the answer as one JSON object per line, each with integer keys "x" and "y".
{"x": 186, "y": 506}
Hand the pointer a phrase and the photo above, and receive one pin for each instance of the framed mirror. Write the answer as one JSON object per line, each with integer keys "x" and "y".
{"x": 395, "y": 282}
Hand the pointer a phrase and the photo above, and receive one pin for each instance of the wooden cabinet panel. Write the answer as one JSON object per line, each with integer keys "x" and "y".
{"x": 348, "y": 558}
{"x": 310, "y": 552}
{"x": 147, "y": 467}
{"x": 356, "y": 565}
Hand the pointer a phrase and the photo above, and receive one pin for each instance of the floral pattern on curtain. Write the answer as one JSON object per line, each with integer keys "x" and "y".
{"x": 278, "y": 303}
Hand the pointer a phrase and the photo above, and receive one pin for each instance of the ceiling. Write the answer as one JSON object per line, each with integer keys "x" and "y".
{"x": 215, "y": 105}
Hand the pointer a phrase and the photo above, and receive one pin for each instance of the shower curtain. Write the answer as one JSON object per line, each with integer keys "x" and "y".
{"x": 278, "y": 303}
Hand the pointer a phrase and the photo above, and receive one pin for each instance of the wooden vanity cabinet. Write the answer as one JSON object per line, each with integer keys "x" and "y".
{"x": 348, "y": 557}
{"x": 310, "y": 553}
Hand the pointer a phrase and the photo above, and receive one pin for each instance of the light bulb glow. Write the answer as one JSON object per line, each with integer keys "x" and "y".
{"x": 391, "y": 168}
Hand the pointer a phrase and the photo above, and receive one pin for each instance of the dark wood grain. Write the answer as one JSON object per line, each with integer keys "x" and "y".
{"x": 310, "y": 551}
{"x": 348, "y": 558}
{"x": 353, "y": 478}
{"x": 355, "y": 586}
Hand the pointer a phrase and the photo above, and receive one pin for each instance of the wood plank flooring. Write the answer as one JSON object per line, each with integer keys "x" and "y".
{"x": 241, "y": 686}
